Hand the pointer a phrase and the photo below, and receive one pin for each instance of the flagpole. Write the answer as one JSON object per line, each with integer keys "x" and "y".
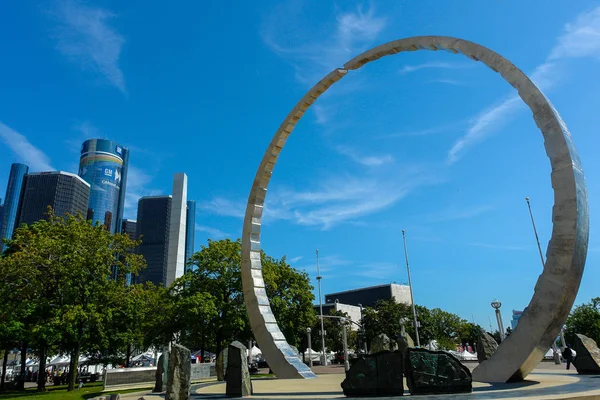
{"x": 321, "y": 310}
{"x": 412, "y": 299}
{"x": 535, "y": 232}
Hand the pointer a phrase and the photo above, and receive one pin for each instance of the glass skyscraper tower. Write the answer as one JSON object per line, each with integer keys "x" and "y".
{"x": 8, "y": 216}
{"x": 103, "y": 164}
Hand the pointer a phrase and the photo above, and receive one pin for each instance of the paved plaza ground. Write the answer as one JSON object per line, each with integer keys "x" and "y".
{"x": 548, "y": 381}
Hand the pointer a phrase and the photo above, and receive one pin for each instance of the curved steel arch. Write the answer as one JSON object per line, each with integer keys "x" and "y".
{"x": 557, "y": 286}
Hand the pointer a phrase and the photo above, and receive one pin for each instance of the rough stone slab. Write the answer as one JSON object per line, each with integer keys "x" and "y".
{"x": 435, "y": 372}
{"x": 486, "y": 346}
{"x": 587, "y": 360}
{"x": 378, "y": 374}
{"x": 221, "y": 365}
{"x": 238, "y": 376}
{"x": 380, "y": 343}
{"x": 180, "y": 372}
{"x": 160, "y": 385}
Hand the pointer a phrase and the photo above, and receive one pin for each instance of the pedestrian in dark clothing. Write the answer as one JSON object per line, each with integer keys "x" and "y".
{"x": 568, "y": 355}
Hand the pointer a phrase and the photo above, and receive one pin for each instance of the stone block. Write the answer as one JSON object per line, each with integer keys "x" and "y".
{"x": 378, "y": 374}
{"x": 221, "y": 365}
{"x": 486, "y": 346}
{"x": 238, "y": 376}
{"x": 162, "y": 366}
{"x": 587, "y": 360}
{"x": 180, "y": 370}
{"x": 435, "y": 372}
{"x": 380, "y": 343}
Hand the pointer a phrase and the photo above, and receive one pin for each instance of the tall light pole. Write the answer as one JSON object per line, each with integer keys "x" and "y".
{"x": 324, "y": 362}
{"x": 535, "y": 232}
{"x": 412, "y": 299}
{"x": 345, "y": 340}
{"x": 496, "y": 304}
{"x": 362, "y": 328}
{"x": 308, "y": 331}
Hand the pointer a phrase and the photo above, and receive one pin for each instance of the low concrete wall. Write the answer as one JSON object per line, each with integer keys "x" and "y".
{"x": 129, "y": 378}
{"x": 144, "y": 377}
{"x": 203, "y": 371}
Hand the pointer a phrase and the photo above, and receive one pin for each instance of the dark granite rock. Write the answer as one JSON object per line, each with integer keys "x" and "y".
{"x": 180, "y": 373}
{"x": 380, "y": 343}
{"x": 433, "y": 372}
{"x": 161, "y": 370}
{"x": 409, "y": 340}
{"x": 378, "y": 374}
{"x": 221, "y": 365}
{"x": 587, "y": 360}
{"x": 402, "y": 344}
{"x": 238, "y": 376}
{"x": 486, "y": 346}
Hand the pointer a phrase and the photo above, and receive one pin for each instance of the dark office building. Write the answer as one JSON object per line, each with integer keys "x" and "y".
{"x": 10, "y": 209}
{"x": 129, "y": 228}
{"x": 190, "y": 229}
{"x": 63, "y": 191}
{"x": 103, "y": 164}
{"x": 367, "y": 297}
{"x": 154, "y": 213}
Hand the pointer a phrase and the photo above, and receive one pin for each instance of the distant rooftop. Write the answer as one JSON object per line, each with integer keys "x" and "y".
{"x": 364, "y": 288}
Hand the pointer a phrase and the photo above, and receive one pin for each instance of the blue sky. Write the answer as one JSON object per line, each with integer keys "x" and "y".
{"x": 432, "y": 143}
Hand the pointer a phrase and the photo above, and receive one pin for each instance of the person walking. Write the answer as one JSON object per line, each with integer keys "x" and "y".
{"x": 568, "y": 355}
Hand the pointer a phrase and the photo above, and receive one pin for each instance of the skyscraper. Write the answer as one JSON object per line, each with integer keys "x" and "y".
{"x": 177, "y": 229}
{"x": 10, "y": 209}
{"x": 63, "y": 191}
{"x": 129, "y": 228}
{"x": 103, "y": 164}
{"x": 153, "y": 218}
{"x": 161, "y": 223}
{"x": 190, "y": 228}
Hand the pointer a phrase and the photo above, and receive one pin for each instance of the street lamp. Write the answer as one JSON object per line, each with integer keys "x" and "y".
{"x": 496, "y": 304}
{"x": 319, "y": 277}
{"x": 362, "y": 328}
{"x": 310, "y": 364}
{"x": 345, "y": 340}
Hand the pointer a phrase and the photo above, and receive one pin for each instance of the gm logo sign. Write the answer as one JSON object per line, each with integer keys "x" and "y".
{"x": 119, "y": 150}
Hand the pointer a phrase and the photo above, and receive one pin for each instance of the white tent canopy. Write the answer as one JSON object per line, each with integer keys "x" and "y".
{"x": 255, "y": 352}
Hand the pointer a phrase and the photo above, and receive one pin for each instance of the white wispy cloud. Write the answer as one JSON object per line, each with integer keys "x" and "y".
{"x": 85, "y": 37}
{"x": 345, "y": 198}
{"x": 434, "y": 65}
{"x": 580, "y": 38}
{"x": 85, "y": 130}
{"x": 483, "y": 124}
{"x": 452, "y": 82}
{"x": 24, "y": 150}
{"x": 453, "y": 214}
{"x": 213, "y": 232}
{"x": 500, "y": 246}
{"x": 369, "y": 161}
{"x": 342, "y": 198}
{"x": 354, "y": 31}
{"x": 294, "y": 260}
{"x": 138, "y": 185}
{"x": 224, "y": 207}
{"x": 425, "y": 132}
{"x": 321, "y": 115}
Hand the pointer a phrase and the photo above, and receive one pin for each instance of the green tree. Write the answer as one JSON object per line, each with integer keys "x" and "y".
{"x": 584, "y": 319}
{"x": 386, "y": 318}
{"x": 333, "y": 332}
{"x": 64, "y": 267}
{"x": 290, "y": 294}
{"x": 217, "y": 272}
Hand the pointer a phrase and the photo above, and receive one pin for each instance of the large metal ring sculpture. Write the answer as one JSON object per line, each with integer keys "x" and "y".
{"x": 556, "y": 287}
